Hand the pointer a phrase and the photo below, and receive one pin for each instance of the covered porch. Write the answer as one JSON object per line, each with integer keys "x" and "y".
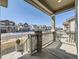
{"x": 57, "y": 49}
{"x": 50, "y": 45}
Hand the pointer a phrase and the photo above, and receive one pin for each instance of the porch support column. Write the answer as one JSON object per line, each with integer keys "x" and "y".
{"x": 76, "y": 24}
{"x": 53, "y": 27}
{"x": 0, "y": 42}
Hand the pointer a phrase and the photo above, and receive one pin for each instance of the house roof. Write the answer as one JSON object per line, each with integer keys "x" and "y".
{"x": 7, "y": 21}
{"x": 69, "y": 20}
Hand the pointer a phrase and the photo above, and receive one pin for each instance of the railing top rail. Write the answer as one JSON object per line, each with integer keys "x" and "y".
{"x": 47, "y": 32}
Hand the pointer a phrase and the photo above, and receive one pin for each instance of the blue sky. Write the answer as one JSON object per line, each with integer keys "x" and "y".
{"x": 20, "y": 11}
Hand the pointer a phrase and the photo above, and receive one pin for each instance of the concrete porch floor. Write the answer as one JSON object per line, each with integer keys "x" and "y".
{"x": 56, "y": 50}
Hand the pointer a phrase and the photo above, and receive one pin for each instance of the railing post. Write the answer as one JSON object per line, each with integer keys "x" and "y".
{"x": 39, "y": 40}
{"x": 33, "y": 46}
{"x": 30, "y": 43}
{"x": 0, "y": 42}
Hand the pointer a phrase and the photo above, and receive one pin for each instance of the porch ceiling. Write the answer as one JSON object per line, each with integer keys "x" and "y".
{"x": 52, "y": 6}
{"x": 4, "y": 3}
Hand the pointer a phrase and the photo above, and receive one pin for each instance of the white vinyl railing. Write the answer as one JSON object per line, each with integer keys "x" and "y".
{"x": 47, "y": 37}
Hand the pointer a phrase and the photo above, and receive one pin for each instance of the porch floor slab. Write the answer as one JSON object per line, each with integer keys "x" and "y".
{"x": 56, "y": 50}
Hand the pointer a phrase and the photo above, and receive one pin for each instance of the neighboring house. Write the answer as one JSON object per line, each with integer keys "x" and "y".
{"x": 26, "y": 27}
{"x": 45, "y": 28}
{"x": 69, "y": 28}
{"x": 66, "y": 26}
{"x": 7, "y": 26}
{"x": 40, "y": 27}
{"x": 19, "y": 27}
{"x": 23, "y": 27}
{"x": 34, "y": 27}
{"x": 58, "y": 28}
{"x": 69, "y": 25}
{"x": 49, "y": 27}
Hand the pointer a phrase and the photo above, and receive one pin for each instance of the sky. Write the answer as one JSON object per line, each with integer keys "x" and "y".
{"x": 20, "y": 11}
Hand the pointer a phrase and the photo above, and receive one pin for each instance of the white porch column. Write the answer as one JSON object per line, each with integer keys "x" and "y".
{"x": 76, "y": 23}
{"x": 53, "y": 27}
{"x": 0, "y": 42}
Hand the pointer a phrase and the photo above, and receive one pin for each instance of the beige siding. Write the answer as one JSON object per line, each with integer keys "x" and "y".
{"x": 72, "y": 26}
